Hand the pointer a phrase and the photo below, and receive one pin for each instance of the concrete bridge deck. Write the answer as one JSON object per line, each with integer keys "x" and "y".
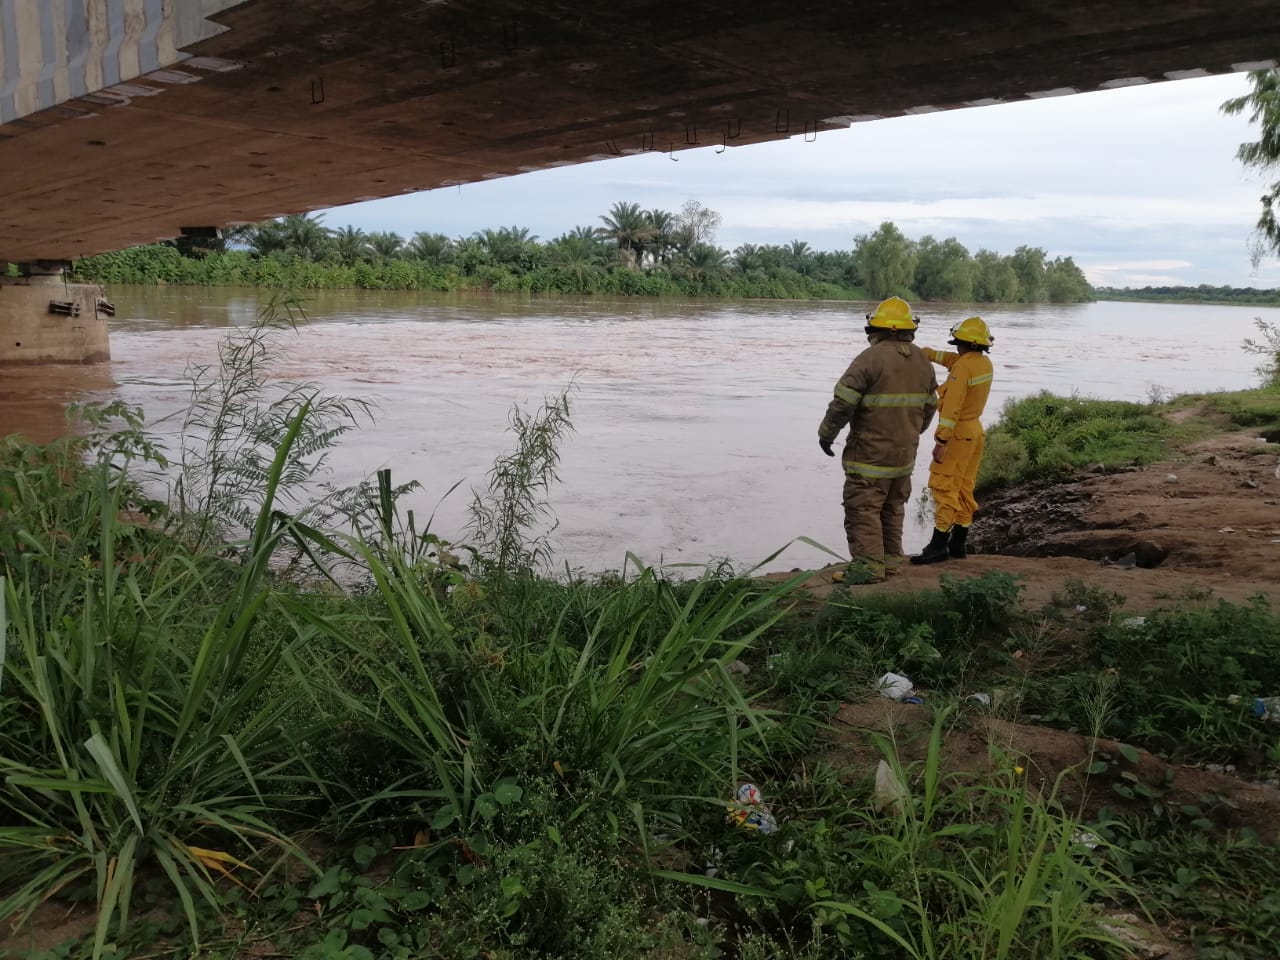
{"x": 277, "y": 107}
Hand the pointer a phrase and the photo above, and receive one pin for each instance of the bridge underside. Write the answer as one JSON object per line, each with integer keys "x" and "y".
{"x": 299, "y": 106}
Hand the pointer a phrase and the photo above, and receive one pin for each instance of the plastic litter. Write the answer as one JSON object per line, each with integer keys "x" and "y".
{"x": 982, "y": 698}
{"x": 1266, "y": 709}
{"x": 890, "y": 792}
{"x": 750, "y": 811}
{"x": 1134, "y": 622}
{"x": 1086, "y": 839}
{"x": 1170, "y": 478}
{"x": 895, "y": 687}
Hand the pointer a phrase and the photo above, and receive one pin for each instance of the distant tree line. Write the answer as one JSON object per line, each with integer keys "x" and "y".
{"x": 1204, "y": 293}
{"x": 633, "y": 251}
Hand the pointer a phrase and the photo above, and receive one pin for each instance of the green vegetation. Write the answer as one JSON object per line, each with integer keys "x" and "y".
{"x": 1046, "y": 437}
{"x": 228, "y": 730}
{"x": 633, "y": 252}
{"x": 1263, "y": 155}
{"x": 1050, "y": 437}
{"x": 1204, "y": 293}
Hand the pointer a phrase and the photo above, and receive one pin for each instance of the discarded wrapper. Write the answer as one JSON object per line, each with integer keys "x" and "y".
{"x": 890, "y": 792}
{"x": 895, "y": 686}
{"x": 751, "y": 812}
{"x": 1086, "y": 839}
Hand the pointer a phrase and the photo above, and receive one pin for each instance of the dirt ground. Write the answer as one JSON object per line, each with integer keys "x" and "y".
{"x": 1214, "y": 514}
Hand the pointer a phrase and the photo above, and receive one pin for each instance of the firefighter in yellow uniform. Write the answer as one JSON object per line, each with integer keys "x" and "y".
{"x": 887, "y": 399}
{"x": 959, "y": 439}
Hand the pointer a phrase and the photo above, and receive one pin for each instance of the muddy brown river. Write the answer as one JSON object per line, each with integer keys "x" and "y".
{"x": 695, "y": 420}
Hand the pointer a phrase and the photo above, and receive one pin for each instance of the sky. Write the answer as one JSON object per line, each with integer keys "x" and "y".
{"x": 1140, "y": 185}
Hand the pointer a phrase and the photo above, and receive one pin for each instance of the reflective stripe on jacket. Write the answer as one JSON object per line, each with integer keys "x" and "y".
{"x": 963, "y": 397}
{"x": 887, "y": 399}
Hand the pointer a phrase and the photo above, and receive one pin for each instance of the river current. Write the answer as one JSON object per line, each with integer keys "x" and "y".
{"x": 695, "y": 421}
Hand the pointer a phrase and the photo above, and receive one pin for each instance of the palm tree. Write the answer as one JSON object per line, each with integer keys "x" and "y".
{"x": 706, "y": 262}
{"x": 629, "y": 228}
{"x": 304, "y": 236}
{"x": 386, "y": 244}
{"x": 800, "y": 257}
{"x": 590, "y": 234}
{"x": 508, "y": 245}
{"x": 350, "y": 244}
{"x": 470, "y": 254}
{"x": 662, "y": 240}
{"x": 576, "y": 253}
{"x": 434, "y": 247}
{"x": 261, "y": 238}
{"x": 746, "y": 259}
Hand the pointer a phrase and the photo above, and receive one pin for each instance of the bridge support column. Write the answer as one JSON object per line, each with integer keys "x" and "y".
{"x": 45, "y": 319}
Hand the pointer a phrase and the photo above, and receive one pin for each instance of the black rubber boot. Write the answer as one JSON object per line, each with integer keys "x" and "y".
{"x": 956, "y": 546}
{"x": 936, "y": 550}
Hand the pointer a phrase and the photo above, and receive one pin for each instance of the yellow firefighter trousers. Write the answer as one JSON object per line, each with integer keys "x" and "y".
{"x": 874, "y": 508}
{"x": 951, "y": 482}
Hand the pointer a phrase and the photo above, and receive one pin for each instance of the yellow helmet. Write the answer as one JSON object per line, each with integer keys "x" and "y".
{"x": 974, "y": 330}
{"x": 892, "y": 314}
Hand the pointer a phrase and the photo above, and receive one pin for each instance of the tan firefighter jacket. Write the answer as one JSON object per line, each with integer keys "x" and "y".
{"x": 887, "y": 398}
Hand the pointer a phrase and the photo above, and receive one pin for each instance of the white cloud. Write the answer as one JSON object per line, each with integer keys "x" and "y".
{"x": 1132, "y": 273}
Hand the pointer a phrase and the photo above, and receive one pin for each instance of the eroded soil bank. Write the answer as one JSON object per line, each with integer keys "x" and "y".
{"x": 1212, "y": 513}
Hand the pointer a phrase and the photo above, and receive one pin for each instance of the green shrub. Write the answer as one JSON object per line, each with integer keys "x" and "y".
{"x": 1049, "y": 437}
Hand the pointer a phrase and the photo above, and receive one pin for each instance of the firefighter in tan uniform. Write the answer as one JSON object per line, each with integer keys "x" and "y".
{"x": 887, "y": 399}
{"x": 959, "y": 439}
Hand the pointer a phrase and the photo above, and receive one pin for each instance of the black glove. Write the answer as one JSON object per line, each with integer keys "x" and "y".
{"x": 826, "y": 447}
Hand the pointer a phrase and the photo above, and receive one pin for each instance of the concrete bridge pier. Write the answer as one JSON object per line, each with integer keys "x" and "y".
{"x": 45, "y": 319}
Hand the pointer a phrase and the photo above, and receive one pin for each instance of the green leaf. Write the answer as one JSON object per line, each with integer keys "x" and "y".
{"x": 106, "y": 761}
{"x": 554, "y": 833}
{"x": 1128, "y": 752}
{"x": 363, "y": 855}
{"x": 328, "y": 884}
{"x": 486, "y": 806}
{"x": 507, "y": 792}
{"x": 416, "y": 900}
{"x": 445, "y": 816}
{"x": 512, "y": 886}
{"x": 1097, "y": 767}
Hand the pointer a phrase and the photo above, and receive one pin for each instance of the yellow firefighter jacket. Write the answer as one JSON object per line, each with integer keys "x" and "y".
{"x": 962, "y": 398}
{"x": 887, "y": 399}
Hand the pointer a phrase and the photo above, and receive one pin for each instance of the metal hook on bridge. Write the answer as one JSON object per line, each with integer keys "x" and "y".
{"x": 724, "y": 143}
{"x": 693, "y": 142}
{"x": 730, "y": 125}
{"x": 807, "y": 137}
{"x": 782, "y": 121}
{"x": 317, "y": 90}
{"x": 646, "y": 141}
{"x": 671, "y": 154}
{"x": 612, "y": 146}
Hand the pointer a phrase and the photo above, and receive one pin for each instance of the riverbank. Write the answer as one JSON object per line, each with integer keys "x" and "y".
{"x": 750, "y": 272}
{"x": 1166, "y": 501}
